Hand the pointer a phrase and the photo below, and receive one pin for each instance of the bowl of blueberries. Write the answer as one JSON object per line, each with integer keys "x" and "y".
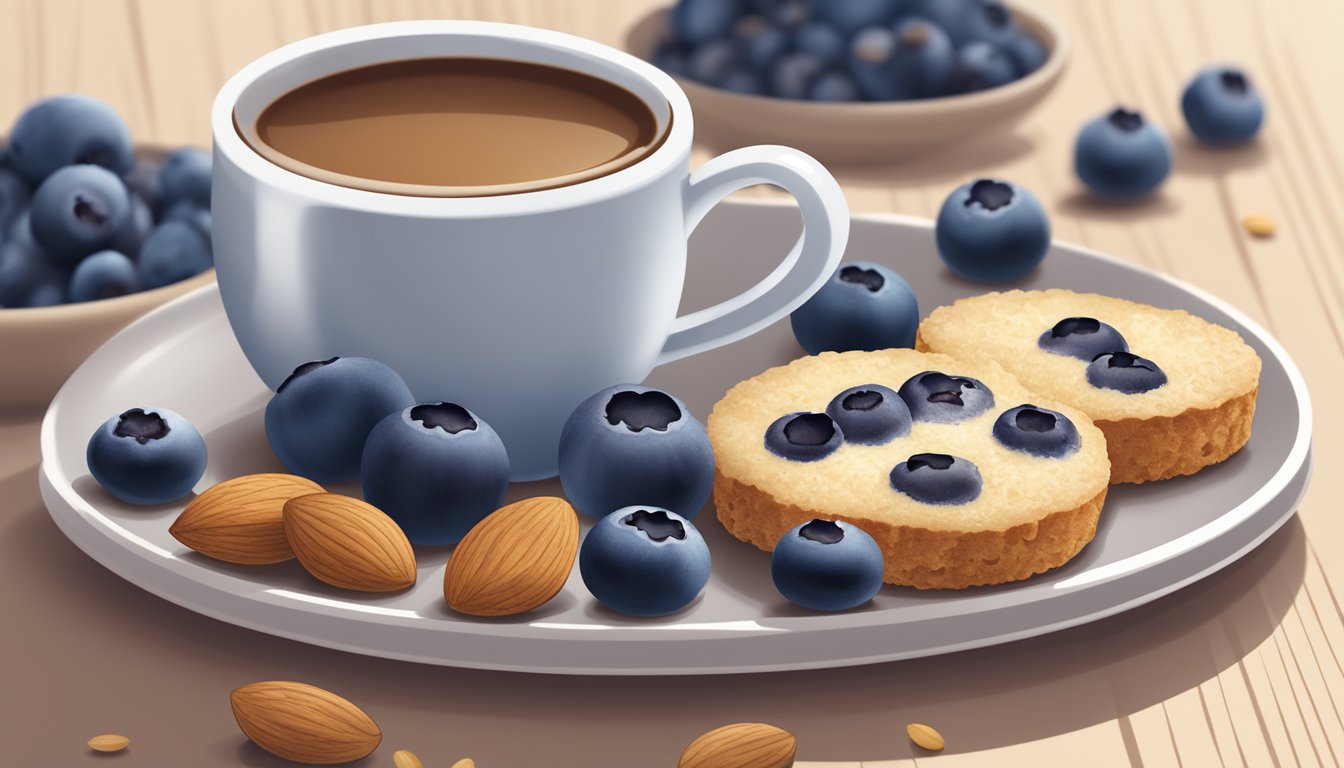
{"x": 854, "y": 80}
{"x": 94, "y": 232}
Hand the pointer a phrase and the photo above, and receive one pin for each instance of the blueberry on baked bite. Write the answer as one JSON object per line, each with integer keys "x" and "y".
{"x": 937, "y": 478}
{"x": 803, "y": 436}
{"x": 1083, "y": 338}
{"x": 1222, "y": 106}
{"x": 938, "y": 397}
{"x": 1125, "y": 372}
{"x": 69, "y": 130}
{"x": 992, "y": 231}
{"x": 827, "y": 565}
{"x": 870, "y": 414}
{"x": 147, "y": 456}
{"x": 77, "y": 210}
{"x": 644, "y": 561}
{"x": 864, "y": 305}
{"x": 1122, "y": 156}
{"x": 1038, "y": 431}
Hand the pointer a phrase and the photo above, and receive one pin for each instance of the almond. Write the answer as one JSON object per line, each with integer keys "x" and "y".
{"x": 514, "y": 560}
{"x": 741, "y": 745}
{"x": 349, "y": 543}
{"x": 925, "y": 736}
{"x": 303, "y": 723}
{"x": 241, "y": 520}
{"x": 109, "y": 742}
{"x": 404, "y": 758}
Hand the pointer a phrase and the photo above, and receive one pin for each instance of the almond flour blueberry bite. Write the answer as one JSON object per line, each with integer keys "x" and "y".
{"x": 147, "y": 456}
{"x": 644, "y": 561}
{"x": 1222, "y": 106}
{"x": 1122, "y": 156}
{"x": 864, "y": 305}
{"x": 827, "y": 565}
{"x": 992, "y": 231}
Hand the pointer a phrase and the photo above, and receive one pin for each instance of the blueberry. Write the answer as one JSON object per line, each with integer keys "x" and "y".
{"x": 849, "y": 16}
{"x": 1026, "y": 52}
{"x": 937, "y": 478}
{"x": 993, "y": 23}
{"x": 191, "y": 213}
{"x": 792, "y": 75}
{"x": 1221, "y": 106}
{"x": 644, "y": 561}
{"x": 28, "y": 278}
{"x": 742, "y": 80}
{"x": 870, "y": 62}
{"x": 992, "y": 231}
{"x": 319, "y": 419}
{"x": 870, "y": 414}
{"x": 711, "y": 61}
{"x": 980, "y": 66}
{"x": 821, "y": 40}
{"x": 1125, "y": 372}
{"x": 130, "y": 238}
{"x": 762, "y": 42}
{"x": 864, "y": 305}
{"x": 698, "y": 21}
{"x": 1083, "y": 338}
{"x": 437, "y": 469}
{"x": 143, "y": 181}
{"x": 827, "y": 566}
{"x": 104, "y": 275}
{"x": 1038, "y": 431}
{"x": 69, "y": 130}
{"x": 1122, "y": 156}
{"x": 14, "y": 197}
{"x": 834, "y": 86}
{"x": 671, "y": 58}
{"x": 77, "y": 210}
{"x": 937, "y": 397}
{"x": 952, "y": 16}
{"x": 802, "y": 436}
{"x": 147, "y": 456}
{"x": 185, "y": 176}
{"x": 174, "y": 250}
{"x": 631, "y": 442}
{"x": 782, "y": 13}
{"x": 923, "y": 60}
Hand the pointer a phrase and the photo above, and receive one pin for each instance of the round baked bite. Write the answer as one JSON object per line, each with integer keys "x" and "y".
{"x": 951, "y": 503}
{"x": 1177, "y": 395}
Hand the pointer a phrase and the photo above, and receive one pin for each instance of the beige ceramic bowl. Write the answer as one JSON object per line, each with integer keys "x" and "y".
{"x": 863, "y": 131}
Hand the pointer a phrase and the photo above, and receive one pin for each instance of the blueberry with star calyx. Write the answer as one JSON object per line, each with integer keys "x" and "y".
{"x": 644, "y": 561}
{"x": 147, "y": 456}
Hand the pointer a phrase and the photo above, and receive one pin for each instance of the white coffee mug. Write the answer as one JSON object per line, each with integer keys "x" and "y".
{"x": 517, "y": 306}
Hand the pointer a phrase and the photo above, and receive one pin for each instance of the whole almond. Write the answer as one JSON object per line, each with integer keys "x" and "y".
{"x": 925, "y": 736}
{"x": 241, "y": 520}
{"x": 514, "y": 560}
{"x": 741, "y": 745}
{"x": 109, "y": 742}
{"x": 303, "y": 723}
{"x": 349, "y": 543}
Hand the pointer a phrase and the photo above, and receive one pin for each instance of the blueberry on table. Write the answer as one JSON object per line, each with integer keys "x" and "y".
{"x": 937, "y": 397}
{"x": 185, "y": 176}
{"x": 827, "y": 565}
{"x": 28, "y": 278}
{"x": 77, "y": 210}
{"x": 104, "y": 275}
{"x": 937, "y": 478}
{"x": 174, "y": 250}
{"x": 699, "y": 21}
{"x": 14, "y": 197}
{"x": 69, "y": 130}
{"x": 1038, "y": 431}
{"x": 1083, "y": 338}
{"x": 992, "y": 231}
{"x": 834, "y": 85}
{"x": 980, "y": 66}
{"x": 437, "y": 469}
{"x": 147, "y": 456}
{"x": 631, "y": 442}
{"x": 821, "y": 40}
{"x": 802, "y": 436}
{"x": 1122, "y": 156}
{"x": 792, "y": 75}
{"x": 849, "y": 16}
{"x": 1221, "y": 106}
{"x": 870, "y": 414}
{"x": 644, "y": 561}
{"x": 864, "y": 305}
{"x": 1125, "y": 372}
{"x": 321, "y": 415}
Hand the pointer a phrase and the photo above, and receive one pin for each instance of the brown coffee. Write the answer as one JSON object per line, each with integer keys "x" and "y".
{"x": 457, "y": 124}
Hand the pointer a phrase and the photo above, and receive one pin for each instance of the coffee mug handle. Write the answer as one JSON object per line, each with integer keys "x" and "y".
{"x": 811, "y": 261}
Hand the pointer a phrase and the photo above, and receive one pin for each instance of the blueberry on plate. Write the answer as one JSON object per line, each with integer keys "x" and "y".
{"x": 185, "y": 177}
{"x": 802, "y": 436}
{"x": 992, "y": 231}
{"x": 792, "y": 74}
{"x": 1221, "y": 106}
{"x": 77, "y": 210}
{"x": 174, "y": 250}
{"x": 821, "y": 40}
{"x": 28, "y": 278}
{"x": 864, "y": 305}
{"x": 698, "y": 21}
{"x": 1038, "y": 431}
{"x": 14, "y": 197}
{"x": 1125, "y": 372}
{"x": 834, "y": 85}
{"x": 130, "y": 238}
{"x": 937, "y": 478}
{"x": 870, "y": 414}
{"x": 1121, "y": 156}
{"x": 827, "y": 565}
{"x": 68, "y": 130}
{"x": 980, "y": 66}
{"x": 644, "y": 561}
{"x": 147, "y": 456}
{"x": 321, "y": 415}
{"x": 849, "y": 16}
{"x": 103, "y": 275}
{"x": 437, "y": 469}
{"x": 1083, "y": 338}
{"x": 631, "y": 442}
{"x": 937, "y": 397}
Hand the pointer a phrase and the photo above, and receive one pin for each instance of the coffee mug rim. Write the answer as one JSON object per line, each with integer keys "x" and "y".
{"x": 231, "y": 146}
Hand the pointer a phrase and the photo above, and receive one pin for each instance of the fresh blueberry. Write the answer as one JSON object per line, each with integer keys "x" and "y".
{"x": 1221, "y": 106}
{"x": 1038, "y": 431}
{"x": 923, "y": 60}
{"x": 979, "y": 66}
{"x": 1026, "y": 52}
{"x": 631, "y": 442}
{"x": 695, "y": 22}
{"x": 135, "y": 230}
{"x": 743, "y": 80}
{"x": 870, "y": 414}
{"x": 952, "y": 16}
{"x": 644, "y": 561}
{"x": 834, "y": 86}
{"x": 1083, "y": 338}
{"x": 77, "y": 210}
{"x": 174, "y": 251}
{"x": 437, "y": 469}
{"x": 671, "y": 58}
{"x": 28, "y": 278}
{"x": 849, "y": 16}
{"x": 802, "y": 436}
{"x": 937, "y": 478}
{"x": 827, "y": 565}
{"x": 185, "y": 176}
{"x": 711, "y": 61}
{"x": 992, "y": 231}
{"x": 864, "y": 305}
{"x": 792, "y": 75}
{"x": 1122, "y": 156}
{"x": 104, "y": 275}
{"x": 14, "y": 197}
{"x": 821, "y": 40}
{"x": 993, "y": 23}
{"x": 1125, "y": 372}
{"x": 191, "y": 213}
{"x": 147, "y": 456}
{"x": 319, "y": 419}
{"x": 782, "y": 13}
{"x": 143, "y": 181}
{"x": 762, "y": 42}
{"x": 937, "y": 397}
{"x": 69, "y": 130}
{"x": 870, "y": 62}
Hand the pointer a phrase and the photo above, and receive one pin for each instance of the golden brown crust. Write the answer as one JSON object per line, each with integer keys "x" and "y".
{"x": 919, "y": 557}
{"x": 1142, "y": 450}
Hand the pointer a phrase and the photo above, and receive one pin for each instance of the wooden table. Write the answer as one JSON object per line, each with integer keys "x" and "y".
{"x": 1243, "y": 668}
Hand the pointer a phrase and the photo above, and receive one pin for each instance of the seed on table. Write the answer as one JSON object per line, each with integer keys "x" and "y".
{"x": 406, "y": 759}
{"x": 1259, "y": 224}
{"x": 465, "y": 762}
{"x": 925, "y": 736}
{"x": 109, "y": 742}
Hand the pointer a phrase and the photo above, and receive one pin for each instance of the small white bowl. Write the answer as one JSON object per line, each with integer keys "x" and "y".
{"x": 863, "y": 131}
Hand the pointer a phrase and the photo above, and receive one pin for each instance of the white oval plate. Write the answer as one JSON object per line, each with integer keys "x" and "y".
{"x": 1152, "y": 539}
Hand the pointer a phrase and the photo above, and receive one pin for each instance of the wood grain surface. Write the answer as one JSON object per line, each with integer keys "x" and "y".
{"x": 1242, "y": 669}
